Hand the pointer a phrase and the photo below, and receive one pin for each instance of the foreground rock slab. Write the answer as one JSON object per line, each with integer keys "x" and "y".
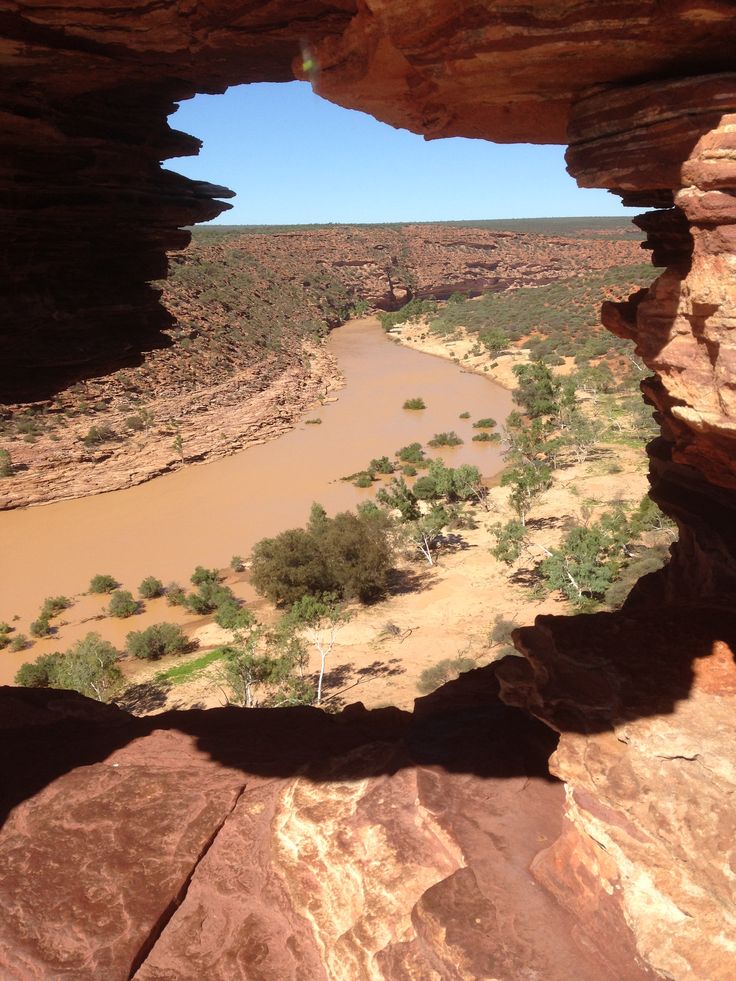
{"x": 238, "y": 843}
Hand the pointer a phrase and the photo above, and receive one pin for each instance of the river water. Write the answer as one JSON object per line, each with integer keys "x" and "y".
{"x": 203, "y": 514}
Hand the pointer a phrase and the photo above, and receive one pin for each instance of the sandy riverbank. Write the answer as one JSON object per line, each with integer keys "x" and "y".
{"x": 453, "y": 606}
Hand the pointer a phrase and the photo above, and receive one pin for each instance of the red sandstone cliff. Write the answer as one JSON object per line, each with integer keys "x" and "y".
{"x": 644, "y": 93}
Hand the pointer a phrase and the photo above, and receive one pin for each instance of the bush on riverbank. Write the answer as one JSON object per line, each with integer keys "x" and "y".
{"x": 90, "y": 668}
{"x": 102, "y": 584}
{"x": 349, "y": 555}
{"x": 151, "y": 588}
{"x": 157, "y": 641}
{"x": 122, "y": 604}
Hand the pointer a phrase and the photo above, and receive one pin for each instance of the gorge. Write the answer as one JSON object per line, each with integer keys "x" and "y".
{"x": 636, "y": 877}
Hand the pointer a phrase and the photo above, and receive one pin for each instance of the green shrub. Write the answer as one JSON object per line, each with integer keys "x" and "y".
{"x": 442, "y": 672}
{"x": 363, "y": 479}
{"x": 55, "y": 604}
{"x": 41, "y": 627}
{"x": 450, "y": 438}
{"x": 413, "y": 453}
{"x": 202, "y": 575}
{"x": 102, "y": 584}
{"x": 425, "y": 489}
{"x": 417, "y": 403}
{"x": 464, "y": 415}
{"x": 209, "y": 595}
{"x": 237, "y": 564}
{"x": 175, "y": 595}
{"x": 233, "y": 615}
{"x": 6, "y": 464}
{"x": 408, "y": 470}
{"x": 413, "y": 310}
{"x": 19, "y": 643}
{"x": 381, "y": 465}
{"x": 157, "y": 641}
{"x": 151, "y": 588}
{"x": 99, "y": 434}
{"x": 122, "y": 604}
{"x": 39, "y": 673}
{"x": 486, "y": 438}
{"x": 487, "y": 423}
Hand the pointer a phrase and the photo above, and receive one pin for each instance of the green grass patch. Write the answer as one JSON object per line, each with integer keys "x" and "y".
{"x": 178, "y": 674}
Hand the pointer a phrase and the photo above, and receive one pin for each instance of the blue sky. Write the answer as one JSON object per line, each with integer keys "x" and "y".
{"x": 294, "y": 158}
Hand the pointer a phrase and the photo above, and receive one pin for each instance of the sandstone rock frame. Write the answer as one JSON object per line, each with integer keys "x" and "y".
{"x": 644, "y": 94}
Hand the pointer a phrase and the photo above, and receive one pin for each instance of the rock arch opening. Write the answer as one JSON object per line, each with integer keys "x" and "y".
{"x": 643, "y": 699}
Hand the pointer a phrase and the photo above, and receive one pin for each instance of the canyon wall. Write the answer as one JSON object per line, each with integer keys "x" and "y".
{"x": 643, "y": 699}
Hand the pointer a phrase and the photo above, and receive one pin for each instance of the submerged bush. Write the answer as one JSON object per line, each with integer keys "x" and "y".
{"x": 450, "y": 438}
{"x": 417, "y": 403}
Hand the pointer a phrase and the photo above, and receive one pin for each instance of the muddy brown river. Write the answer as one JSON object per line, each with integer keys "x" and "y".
{"x": 204, "y": 514}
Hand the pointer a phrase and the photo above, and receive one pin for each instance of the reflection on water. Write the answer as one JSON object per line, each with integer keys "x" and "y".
{"x": 204, "y": 514}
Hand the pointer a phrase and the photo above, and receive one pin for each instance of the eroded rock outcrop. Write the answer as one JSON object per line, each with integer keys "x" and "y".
{"x": 639, "y": 90}
{"x": 287, "y": 843}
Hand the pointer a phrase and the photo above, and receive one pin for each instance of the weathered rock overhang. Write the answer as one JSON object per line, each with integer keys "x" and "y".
{"x": 645, "y": 95}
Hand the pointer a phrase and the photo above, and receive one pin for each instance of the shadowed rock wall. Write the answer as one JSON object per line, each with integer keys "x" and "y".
{"x": 643, "y": 699}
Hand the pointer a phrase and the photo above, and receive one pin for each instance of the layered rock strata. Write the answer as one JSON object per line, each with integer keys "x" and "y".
{"x": 643, "y": 699}
{"x": 287, "y": 843}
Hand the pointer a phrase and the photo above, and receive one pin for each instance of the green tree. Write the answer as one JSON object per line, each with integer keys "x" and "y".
{"x": 41, "y": 627}
{"x": 349, "y": 554}
{"x": 289, "y": 566}
{"x": 528, "y": 481}
{"x": 584, "y": 565}
{"x": 398, "y": 496}
{"x": 320, "y": 619}
{"x": 494, "y": 340}
{"x": 231, "y": 614}
{"x": 261, "y": 659}
{"x": 537, "y": 390}
{"x": 178, "y": 447}
{"x": 511, "y": 538}
{"x": 90, "y": 668}
{"x": 425, "y": 534}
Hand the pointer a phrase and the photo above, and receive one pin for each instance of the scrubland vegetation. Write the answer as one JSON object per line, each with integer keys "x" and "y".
{"x": 578, "y": 411}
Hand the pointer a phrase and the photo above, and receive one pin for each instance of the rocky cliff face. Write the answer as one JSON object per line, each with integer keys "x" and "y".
{"x": 287, "y": 843}
{"x": 643, "y": 699}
